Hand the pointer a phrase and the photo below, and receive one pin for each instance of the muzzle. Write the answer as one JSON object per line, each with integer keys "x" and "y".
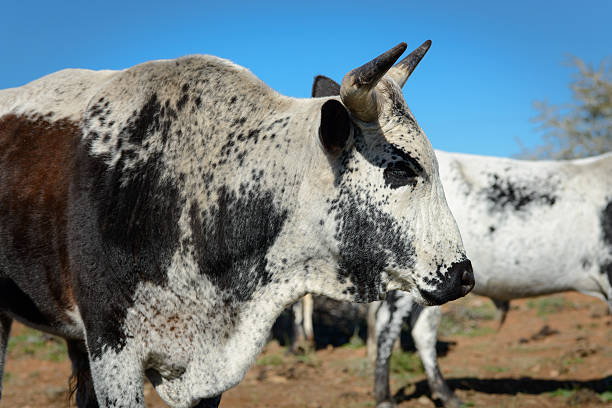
{"x": 459, "y": 283}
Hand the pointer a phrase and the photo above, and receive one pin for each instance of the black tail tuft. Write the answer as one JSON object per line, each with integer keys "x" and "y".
{"x": 80, "y": 383}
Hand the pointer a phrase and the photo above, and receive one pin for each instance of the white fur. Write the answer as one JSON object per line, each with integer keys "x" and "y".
{"x": 539, "y": 249}
{"x": 65, "y": 93}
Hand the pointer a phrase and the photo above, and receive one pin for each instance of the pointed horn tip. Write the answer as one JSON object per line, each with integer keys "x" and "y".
{"x": 369, "y": 73}
{"x": 426, "y": 44}
{"x": 399, "y": 48}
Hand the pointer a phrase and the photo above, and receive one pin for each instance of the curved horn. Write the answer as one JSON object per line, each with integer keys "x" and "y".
{"x": 357, "y": 89}
{"x": 401, "y": 72}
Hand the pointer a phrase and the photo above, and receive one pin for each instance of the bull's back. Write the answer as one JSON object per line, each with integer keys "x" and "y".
{"x": 39, "y": 135}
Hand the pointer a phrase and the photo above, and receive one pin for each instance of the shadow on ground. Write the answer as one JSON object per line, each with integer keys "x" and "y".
{"x": 510, "y": 386}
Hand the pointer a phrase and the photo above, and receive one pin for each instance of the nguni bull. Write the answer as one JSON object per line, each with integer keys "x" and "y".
{"x": 529, "y": 227}
{"x": 159, "y": 218}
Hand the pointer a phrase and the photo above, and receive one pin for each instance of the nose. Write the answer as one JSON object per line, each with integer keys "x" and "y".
{"x": 467, "y": 279}
{"x": 459, "y": 283}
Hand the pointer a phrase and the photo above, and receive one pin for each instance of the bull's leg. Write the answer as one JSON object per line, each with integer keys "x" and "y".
{"x": 118, "y": 377}
{"x": 389, "y": 321}
{"x": 209, "y": 402}
{"x": 81, "y": 381}
{"x": 5, "y": 329}
{"x": 424, "y": 333}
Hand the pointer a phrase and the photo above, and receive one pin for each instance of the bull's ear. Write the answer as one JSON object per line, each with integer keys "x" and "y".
{"x": 335, "y": 128}
{"x": 324, "y": 86}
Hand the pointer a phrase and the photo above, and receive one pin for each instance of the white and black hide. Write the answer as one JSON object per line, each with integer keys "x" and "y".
{"x": 160, "y": 218}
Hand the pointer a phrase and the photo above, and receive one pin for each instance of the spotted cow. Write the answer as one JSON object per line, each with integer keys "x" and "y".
{"x": 529, "y": 227}
{"x": 159, "y": 218}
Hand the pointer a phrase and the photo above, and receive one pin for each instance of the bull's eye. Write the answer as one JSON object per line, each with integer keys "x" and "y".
{"x": 400, "y": 174}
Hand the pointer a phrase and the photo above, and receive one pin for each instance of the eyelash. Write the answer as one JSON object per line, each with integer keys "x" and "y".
{"x": 399, "y": 174}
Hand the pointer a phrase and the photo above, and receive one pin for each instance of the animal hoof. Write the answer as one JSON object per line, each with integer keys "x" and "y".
{"x": 386, "y": 404}
{"x": 453, "y": 402}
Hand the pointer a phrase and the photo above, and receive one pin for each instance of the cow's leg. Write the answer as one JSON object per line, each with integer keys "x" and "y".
{"x": 308, "y": 311}
{"x": 389, "y": 321}
{"x": 209, "y": 402}
{"x": 425, "y": 333}
{"x": 371, "y": 322}
{"x": 5, "y": 329}
{"x": 302, "y": 324}
{"x": 502, "y": 310}
{"x": 298, "y": 336}
{"x": 81, "y": 381}
{"x": 118, "y": 377}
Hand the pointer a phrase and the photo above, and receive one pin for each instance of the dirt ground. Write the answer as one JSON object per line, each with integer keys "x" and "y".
{"x": 552, "y": 351}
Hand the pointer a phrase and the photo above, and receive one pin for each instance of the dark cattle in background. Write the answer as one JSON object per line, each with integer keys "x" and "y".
{"x": 336, "y": 323}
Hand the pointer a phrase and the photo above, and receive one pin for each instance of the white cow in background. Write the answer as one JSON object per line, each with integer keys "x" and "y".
{"x": 530, "y": 228}
{"x": 535, "y": 228}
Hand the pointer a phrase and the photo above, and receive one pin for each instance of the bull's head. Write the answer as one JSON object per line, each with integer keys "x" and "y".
{"x": 392, "y": 228}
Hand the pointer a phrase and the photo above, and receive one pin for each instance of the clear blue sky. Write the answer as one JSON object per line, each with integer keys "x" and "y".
{"x": 472, "y": 93}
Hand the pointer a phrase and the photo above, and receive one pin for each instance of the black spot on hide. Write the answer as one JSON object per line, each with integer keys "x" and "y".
{"x": 370, "y": 241}
{"x": 146, "y": 121}
{"x": 232, "y": 238}
{"x": 586, "y": 263}
{"x": 502, "y": 194}
{"x": 607, "y": 269}
{"x": 180, "y": 104}
{"x": 606, "y": 230}
{"x": 125, "y": 228}
{"x": 606, "y": 224}
{"x": 151, "y": 119}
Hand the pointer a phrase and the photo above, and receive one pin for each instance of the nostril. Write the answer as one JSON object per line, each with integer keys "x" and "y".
{"x": 467, "y": 278}
{"x": 467, "y": 281}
